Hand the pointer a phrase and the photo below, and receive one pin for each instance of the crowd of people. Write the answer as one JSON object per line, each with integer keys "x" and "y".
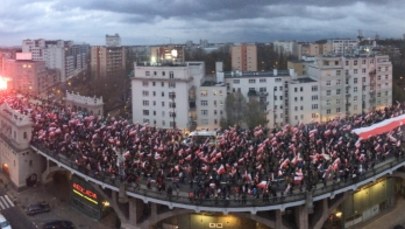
{"x": 240, "y": 164}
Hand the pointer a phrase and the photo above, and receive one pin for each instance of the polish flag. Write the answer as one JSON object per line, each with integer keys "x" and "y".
{"x": 380, "y": 127}
{"x": 221, "y": 170}
{"x": 262, "y": 184}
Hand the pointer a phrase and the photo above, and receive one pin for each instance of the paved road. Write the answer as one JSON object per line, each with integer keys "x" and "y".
{"x": 14, "y": 214}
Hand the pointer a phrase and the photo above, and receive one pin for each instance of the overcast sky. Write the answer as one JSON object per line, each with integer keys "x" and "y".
{"x": 163, "y": 21}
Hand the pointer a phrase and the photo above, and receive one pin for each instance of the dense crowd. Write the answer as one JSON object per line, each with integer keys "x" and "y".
{"x": 241, "y": 163}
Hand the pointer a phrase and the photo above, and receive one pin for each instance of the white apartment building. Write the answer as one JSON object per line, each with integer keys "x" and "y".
{"x": 269, "y": 87}
{"x": 17, "y": 160}
{"x": 113, "y": 40}
{"x": 165, "y": 95}
{"x": 303, "y": 101}
{"x": 210, "y": 105}
{"x": 285, "y": 47}
{"x": 351, "y": 85}
{"x": 340, "y": 46}
{"x": 67, "y": 58}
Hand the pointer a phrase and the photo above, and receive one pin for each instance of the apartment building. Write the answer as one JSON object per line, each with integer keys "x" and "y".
{"x": 165, "y": 95}
{"x": 93, "y": 105}
{"x": 107, "y": 61}
{"x": 350, "y": 85}
{"x": 244, "y": 57}
{"x": 340, "y": 46}
{"x": 165, "y": 54}
{"x": 27, "y": 75}
{"x": 67, "y": 58}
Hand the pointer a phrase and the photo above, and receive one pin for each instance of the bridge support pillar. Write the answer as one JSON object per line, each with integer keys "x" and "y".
{"x": 301, "y": 213}
{"x": 279, "y": 220}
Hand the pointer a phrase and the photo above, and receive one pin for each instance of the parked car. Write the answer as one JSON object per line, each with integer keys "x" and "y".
{"x": 59, "y": 224}
{"x": 4, "y": 224}
{"x": 38, "y": 208}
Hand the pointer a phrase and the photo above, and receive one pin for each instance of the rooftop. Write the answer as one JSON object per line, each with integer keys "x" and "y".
{"x": 239, "y": 74}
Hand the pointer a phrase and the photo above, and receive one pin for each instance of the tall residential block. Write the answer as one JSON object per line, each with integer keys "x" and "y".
{"x": 244, "y": 57}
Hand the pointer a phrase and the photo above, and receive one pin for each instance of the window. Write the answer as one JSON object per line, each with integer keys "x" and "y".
{"x": 355, "y": 80}
{"x": 347, "y": 62}
{"x": 204, "y": 93}
{"x": 314, "y": 115}
{"x": 262, "y": 80}
{"x": 163, "y": 73}
{"x": 337, "y": 109}
{"x": 338, "y": 82}
{"x": 328, "y": 111}
{"x": 154, "y": 73}
{"x": 281, "y": 88}
{"x": 252, "y": 81}
{"x": 25, "y": 136}
{"x": 301, "y": 89}
{"x": 314, "y": 97}
{"x": 364, "y": 79}
{"x": 145, "y": 102}
{"x": 301, "y": 98}
{"x": 204, "y": 112}
{"x": 336, "y": 62}
{"x": 328, "y": 83}
{"x": 163, "y": 104}
{"x": 354, "y": 89}
{"x": 163, "y": 84}
{"x": 328, "y": 92}
{"x": 363, "y": 70}
{"x": 314, "y": 88}
{"x": 163, "y": 94}
{"x": 154, "y": 113}
{"x": 171, "y": 74}
{"x": 172, "y": 105}
{"x": 302, "y": 108}
{"x": 337, "y": 101}
{"x": 364, "y": 61}
{"x": 145, "y": 93}
{"x": 354, "y": 71}
{"x": 172, "y": 84}
{"x": 355, "y": 98}
{"x": 355, "y": 62}
{"x": 262, "y": 89}
{"x": 145, "y": 112}
{"x": 314, "y": 106}
{"x": 338, "y": 91}
{"x": 204, "y": 103}
{"x": 295, "y": 99}
{"x": 145, "y": 83}
{"x": 338, "y": 72}
{"x": 147, "y": 73}
{"x": 296, "y": 108}
{"x": 236, "y": 81}
{"x": 295, "y": 89}
{"x": 172, "y": 95}
{"x": 154, "y": 103}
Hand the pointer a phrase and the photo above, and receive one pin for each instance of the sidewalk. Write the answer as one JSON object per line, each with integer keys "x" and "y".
{"x": 60, "y": 207}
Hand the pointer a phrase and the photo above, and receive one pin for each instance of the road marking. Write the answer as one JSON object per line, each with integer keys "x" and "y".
{"x": 1, "y": 205}
{"x": 4, "y": 202}
{"x": 9, "y": 201}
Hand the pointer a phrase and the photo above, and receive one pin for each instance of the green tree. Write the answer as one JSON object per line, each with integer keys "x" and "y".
{"x": 255, "y": 114}
{"x": 235, "y": 107}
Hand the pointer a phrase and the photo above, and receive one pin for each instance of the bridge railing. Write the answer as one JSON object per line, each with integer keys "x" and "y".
{"x": 319, "y": 191}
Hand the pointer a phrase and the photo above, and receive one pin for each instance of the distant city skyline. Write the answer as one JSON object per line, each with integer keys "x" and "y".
{"x": 145, "y": 22}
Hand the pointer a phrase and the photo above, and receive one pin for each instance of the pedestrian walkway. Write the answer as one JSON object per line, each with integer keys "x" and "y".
{"x": 5, "y": 202}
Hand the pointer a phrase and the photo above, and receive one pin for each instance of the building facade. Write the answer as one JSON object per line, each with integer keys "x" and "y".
{"x": 17, "y": 160}
{"x": 165, "y": 95}
{"x": 67, "y": 58}
{"x": 92, "y": 105}
{"x": 351, "y": 85}
{"x": 244, "y": 57}
{"x": 29, "y": 76}
{"x": 107, "y": 61}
